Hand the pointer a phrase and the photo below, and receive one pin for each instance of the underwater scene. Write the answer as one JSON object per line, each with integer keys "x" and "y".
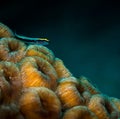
{"x": 59, "y": 59}
{"x": 35, "y": 84}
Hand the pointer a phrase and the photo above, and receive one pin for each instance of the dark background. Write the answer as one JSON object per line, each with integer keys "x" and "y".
{"x": 84, "y": 34}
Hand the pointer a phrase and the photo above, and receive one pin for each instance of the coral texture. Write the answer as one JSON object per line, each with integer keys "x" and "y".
{"x": 35, "y": 84}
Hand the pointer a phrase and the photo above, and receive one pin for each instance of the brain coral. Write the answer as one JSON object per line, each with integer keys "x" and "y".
{"x": 35, "y": 84}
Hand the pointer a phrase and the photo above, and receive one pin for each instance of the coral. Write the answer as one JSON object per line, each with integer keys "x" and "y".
{"x": 60, "y": 68}
{"x": 39, "y": 103}
{"x": 5, "y": 31}
{"x": 40, "y": 51}
{"x": 10, "y": 84}
{"x": 79, "y": 112}
{"x": 68, "y": 89}
{"x": 35, "y": 84}
{"x": 103, "y": 107}
{"x": 36, "y": 71}
{"x": 11, "y": 49}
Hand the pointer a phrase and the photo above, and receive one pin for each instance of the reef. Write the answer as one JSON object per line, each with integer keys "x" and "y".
{"x": 35, "y": 84}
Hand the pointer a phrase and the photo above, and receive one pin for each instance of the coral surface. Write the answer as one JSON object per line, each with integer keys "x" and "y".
{"x": 35, "y": 84}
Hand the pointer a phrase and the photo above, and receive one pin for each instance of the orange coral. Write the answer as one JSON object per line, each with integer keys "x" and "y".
{"x": 60, "y": 68}
{"x": 11, "y": 49}
{"x": 103, "y": 107}
{"x": 79, "y": 112}
{"x": 89, "y": 86}
{"x": 34, "y": 84}
{"x": 40, "y": 103}
{"x": 10, "y": 83}
{"x": 10, "y": 91}
{"x": 36, "y": 71}
{"x": 5, "y": 31}
{"x": 68, "y": 93}
{"x": 40, "y": 51}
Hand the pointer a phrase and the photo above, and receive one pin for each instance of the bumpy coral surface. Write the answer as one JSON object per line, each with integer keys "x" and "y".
{"x": 35, "y": 84}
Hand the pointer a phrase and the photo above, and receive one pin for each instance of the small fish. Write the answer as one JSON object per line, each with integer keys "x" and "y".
{"x": 30, "y": 40}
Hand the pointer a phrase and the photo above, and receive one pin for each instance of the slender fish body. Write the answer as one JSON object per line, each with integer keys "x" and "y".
{"x": 30, "y": 40}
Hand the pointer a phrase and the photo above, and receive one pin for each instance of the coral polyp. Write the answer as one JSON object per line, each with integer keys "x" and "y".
{"x": 36, "y": 71}
{"x": 5, "y": 31}
{"x": 35, "y": 84}
{"x": 11, "y": 49}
